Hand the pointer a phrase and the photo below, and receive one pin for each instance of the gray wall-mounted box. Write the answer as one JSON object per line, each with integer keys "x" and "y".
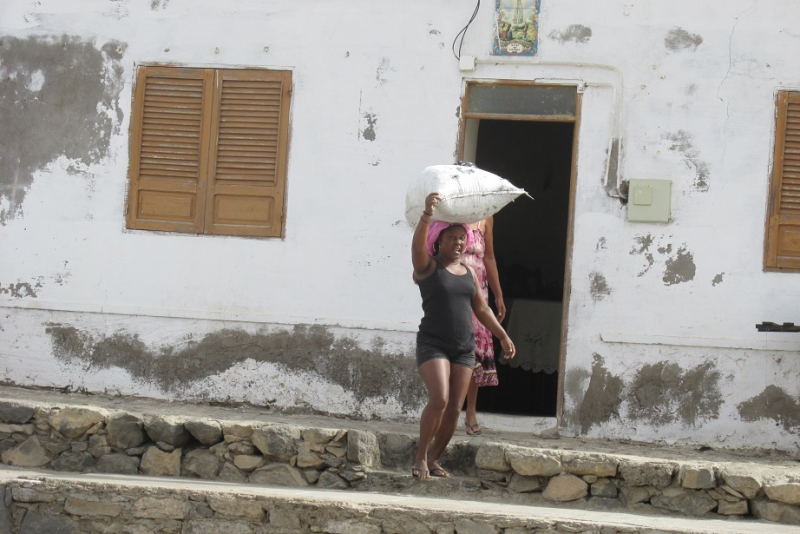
{"x": 649, "y": 200}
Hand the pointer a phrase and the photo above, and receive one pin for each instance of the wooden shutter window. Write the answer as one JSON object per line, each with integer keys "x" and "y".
{"x": 783, "y": 225}
{"x": 208, "y": 151}
{"x": 169, "y": 149}
{"x": 246, "y": 190}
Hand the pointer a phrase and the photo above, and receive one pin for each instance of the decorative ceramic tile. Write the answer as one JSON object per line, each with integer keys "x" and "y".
{"x": 516, "y": 30}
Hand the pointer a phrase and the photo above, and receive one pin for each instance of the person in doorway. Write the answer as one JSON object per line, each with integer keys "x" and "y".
{"x": 445, "y": 340}
{"x": 480, "y": 257}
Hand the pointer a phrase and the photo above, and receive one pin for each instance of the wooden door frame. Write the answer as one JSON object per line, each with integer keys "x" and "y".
{"x": 464, "y": 115}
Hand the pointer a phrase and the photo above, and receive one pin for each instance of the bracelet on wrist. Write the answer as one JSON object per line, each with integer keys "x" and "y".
{"x": 428, "y": 214}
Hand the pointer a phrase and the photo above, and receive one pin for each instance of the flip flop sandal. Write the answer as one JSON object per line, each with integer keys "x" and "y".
{"x": 439, "y": 472}
{"x": 473, "y": 430}
{"x": 422, "y": 474}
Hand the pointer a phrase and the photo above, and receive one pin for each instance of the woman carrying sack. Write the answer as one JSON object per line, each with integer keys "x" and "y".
{"x": 446, "y": 340}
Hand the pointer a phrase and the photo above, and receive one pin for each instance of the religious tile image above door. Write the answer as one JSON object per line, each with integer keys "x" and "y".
{"x": 516, "y": 31}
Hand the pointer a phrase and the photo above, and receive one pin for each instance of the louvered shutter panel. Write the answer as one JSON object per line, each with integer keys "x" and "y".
{"x": 247, "y": 169}
{"x": 783, "y": 240}
{"x": 169, "y": 149}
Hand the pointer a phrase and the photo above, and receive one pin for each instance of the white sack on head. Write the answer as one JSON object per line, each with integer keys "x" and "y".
{"x": 469, "y": 194}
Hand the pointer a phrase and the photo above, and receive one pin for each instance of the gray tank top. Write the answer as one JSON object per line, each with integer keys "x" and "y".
{"x": 446, "y": 301}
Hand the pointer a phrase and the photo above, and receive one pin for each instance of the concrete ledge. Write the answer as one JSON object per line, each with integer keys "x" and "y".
{"x": 104, "y": 504}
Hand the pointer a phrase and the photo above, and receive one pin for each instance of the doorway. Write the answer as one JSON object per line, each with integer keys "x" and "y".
{"x": 530, "y": 244}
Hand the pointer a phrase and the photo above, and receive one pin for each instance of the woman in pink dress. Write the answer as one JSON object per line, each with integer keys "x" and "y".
{"x": 480, "y": 256}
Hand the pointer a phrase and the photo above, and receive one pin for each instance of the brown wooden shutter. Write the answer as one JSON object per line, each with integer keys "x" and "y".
{"x": 247, "y": 170}
{"x": 169, "y": 149}
{"x": 783, "y": 228}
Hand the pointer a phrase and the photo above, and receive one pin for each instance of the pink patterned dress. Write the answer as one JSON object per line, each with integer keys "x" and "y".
{"x": 485, "y": 373}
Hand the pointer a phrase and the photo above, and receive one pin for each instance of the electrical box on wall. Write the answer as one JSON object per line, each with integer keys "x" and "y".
{"x": 467, "y": 62}
{"x": 649, "y": 200}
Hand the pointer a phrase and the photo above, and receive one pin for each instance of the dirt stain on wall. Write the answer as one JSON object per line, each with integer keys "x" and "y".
{"x": 21, "y": 289}
{"x": 575, "y": 33}
{"x": 58, "y": 96}
{"x": 573, "y": 386}
{"x": 601, "y": 244}
{"x": 369, "y": 132}
{"x": 603, "y": 397}
{"x": 679, "y": 269}
{"x": 598, "y": 286}
{"x": 383, "y": 68}
{"x": 683, "y": 143}
{"x": 642, "y": 248}
{"x": 366, "y": 373}
{"x": 664, "y": 393}
{"x": 773, "y": 403}
{"x": 679, "y": 39}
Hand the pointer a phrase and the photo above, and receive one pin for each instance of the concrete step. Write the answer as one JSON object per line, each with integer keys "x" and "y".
{"x": 254, "y": 446}
{"x": 47, "y": 502}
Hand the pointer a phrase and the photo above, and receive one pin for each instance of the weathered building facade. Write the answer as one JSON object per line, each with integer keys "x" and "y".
{"x": 654, "y": 336}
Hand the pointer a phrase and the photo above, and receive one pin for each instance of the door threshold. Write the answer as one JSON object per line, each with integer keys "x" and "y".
{"x": 515, "y": 423}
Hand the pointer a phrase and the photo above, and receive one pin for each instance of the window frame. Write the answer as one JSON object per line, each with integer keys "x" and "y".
{"x": 778, "y": 219}
{"x": 248, "y": 197}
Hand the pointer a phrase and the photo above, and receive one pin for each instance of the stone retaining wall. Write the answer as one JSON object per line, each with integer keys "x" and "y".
{"x": 691, "y": 489}
{"x": 48, "y": 505}
{"x": 96, "y": 440}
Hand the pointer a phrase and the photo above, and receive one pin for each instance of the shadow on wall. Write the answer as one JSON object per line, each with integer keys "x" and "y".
{"x": 371, "y": 374}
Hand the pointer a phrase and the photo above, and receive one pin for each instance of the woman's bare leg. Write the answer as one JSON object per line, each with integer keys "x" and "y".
{"x": 471, "y": 418}
{"x": 460, "y": 377}
{"x": 436, "y": 376}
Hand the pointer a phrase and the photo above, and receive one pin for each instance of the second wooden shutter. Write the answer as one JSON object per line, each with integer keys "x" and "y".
{"x": 247, "y": 169}
{"x": 783, "y": 232}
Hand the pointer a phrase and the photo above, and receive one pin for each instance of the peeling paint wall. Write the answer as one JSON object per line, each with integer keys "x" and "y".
{"x": 661, "y": 342}
{"x": 602, "y": 398}
{"x": 302, "y": 368}
{"x": 367, "y": 374}
{"x": 773, "y": 403}
{"x": 59, "y": 96}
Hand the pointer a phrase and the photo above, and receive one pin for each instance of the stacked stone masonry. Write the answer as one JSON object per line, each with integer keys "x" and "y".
{"x": 61, "y": 505}
{"x": 89, "y": 440}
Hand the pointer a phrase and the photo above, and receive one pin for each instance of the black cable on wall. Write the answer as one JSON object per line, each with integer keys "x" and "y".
{"x": 463, "y": 33}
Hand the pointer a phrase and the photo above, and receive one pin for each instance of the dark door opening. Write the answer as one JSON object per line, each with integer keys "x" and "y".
{"x": 530, "y": 243}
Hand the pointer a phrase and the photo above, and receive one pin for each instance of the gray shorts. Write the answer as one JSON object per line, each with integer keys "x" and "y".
{"x": 427, "y": 352}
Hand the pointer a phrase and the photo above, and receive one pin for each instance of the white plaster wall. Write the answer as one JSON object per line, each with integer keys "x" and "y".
{"x": 345, "y": 194}
{"x": 344, "y": 260}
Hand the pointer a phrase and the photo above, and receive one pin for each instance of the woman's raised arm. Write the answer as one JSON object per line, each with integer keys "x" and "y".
{"x": 420, "y": 258}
